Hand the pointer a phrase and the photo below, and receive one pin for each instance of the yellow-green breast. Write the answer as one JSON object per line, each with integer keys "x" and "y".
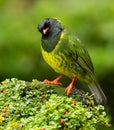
{"x": 56, "y": 59}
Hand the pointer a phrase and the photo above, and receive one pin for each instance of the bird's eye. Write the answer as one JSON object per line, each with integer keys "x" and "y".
{"x": 48, "y": 22}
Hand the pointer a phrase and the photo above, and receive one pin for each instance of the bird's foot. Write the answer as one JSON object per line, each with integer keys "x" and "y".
{"x": 70, "y": 86}
{"x": 55, "y": 81}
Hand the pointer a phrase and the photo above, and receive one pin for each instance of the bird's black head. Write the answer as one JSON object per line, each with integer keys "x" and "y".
{"x": 51, "y": 29}
{"x": 49, "y": 25}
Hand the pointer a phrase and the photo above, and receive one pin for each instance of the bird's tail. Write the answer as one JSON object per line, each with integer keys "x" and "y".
{"x": 99, "y": 95}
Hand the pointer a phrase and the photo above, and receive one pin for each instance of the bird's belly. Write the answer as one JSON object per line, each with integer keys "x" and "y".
{"x": 60, "y": 63}
{"x": 63, "y": 65}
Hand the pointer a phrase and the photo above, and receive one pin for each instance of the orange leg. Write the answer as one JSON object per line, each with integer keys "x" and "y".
{"x": 71, "y": 85}
{"x": 55, "y": 81}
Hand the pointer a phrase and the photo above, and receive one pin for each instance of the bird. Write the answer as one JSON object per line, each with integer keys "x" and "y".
{"x": 66, "y": 54}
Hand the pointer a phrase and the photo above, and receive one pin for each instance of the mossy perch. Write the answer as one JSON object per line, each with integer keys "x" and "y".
{"x": 38, "y": 106}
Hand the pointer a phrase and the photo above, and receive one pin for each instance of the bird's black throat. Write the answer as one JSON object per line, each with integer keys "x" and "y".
{"x": 50, "y": 40}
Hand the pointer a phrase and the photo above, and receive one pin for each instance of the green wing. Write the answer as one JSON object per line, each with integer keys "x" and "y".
{"x": 84, "y": 61}
{"x": 83, "y": 58}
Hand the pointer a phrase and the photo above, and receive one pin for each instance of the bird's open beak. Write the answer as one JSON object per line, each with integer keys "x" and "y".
{"x": 45, "y": 30}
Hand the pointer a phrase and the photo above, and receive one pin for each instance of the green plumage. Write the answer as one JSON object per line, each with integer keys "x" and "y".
{"x": 65, "y": 53}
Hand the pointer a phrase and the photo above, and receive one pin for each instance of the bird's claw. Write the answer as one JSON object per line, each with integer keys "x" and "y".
{"x": 52, "y": 82}
{"x": 67, "y": 91}
{"x": 55, "y": 81}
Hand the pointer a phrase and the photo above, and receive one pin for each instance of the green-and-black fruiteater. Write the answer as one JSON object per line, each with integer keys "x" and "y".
{"x": 65, "y": 53}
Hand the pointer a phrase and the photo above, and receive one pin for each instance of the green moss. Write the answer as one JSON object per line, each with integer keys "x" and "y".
{"x": 37, "y": 106}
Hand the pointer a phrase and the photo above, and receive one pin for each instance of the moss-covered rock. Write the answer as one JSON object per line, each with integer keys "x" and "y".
{"x": 38, "y": 106}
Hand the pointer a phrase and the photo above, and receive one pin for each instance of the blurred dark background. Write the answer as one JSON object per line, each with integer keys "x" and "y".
{"x": 91, "y": 20}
